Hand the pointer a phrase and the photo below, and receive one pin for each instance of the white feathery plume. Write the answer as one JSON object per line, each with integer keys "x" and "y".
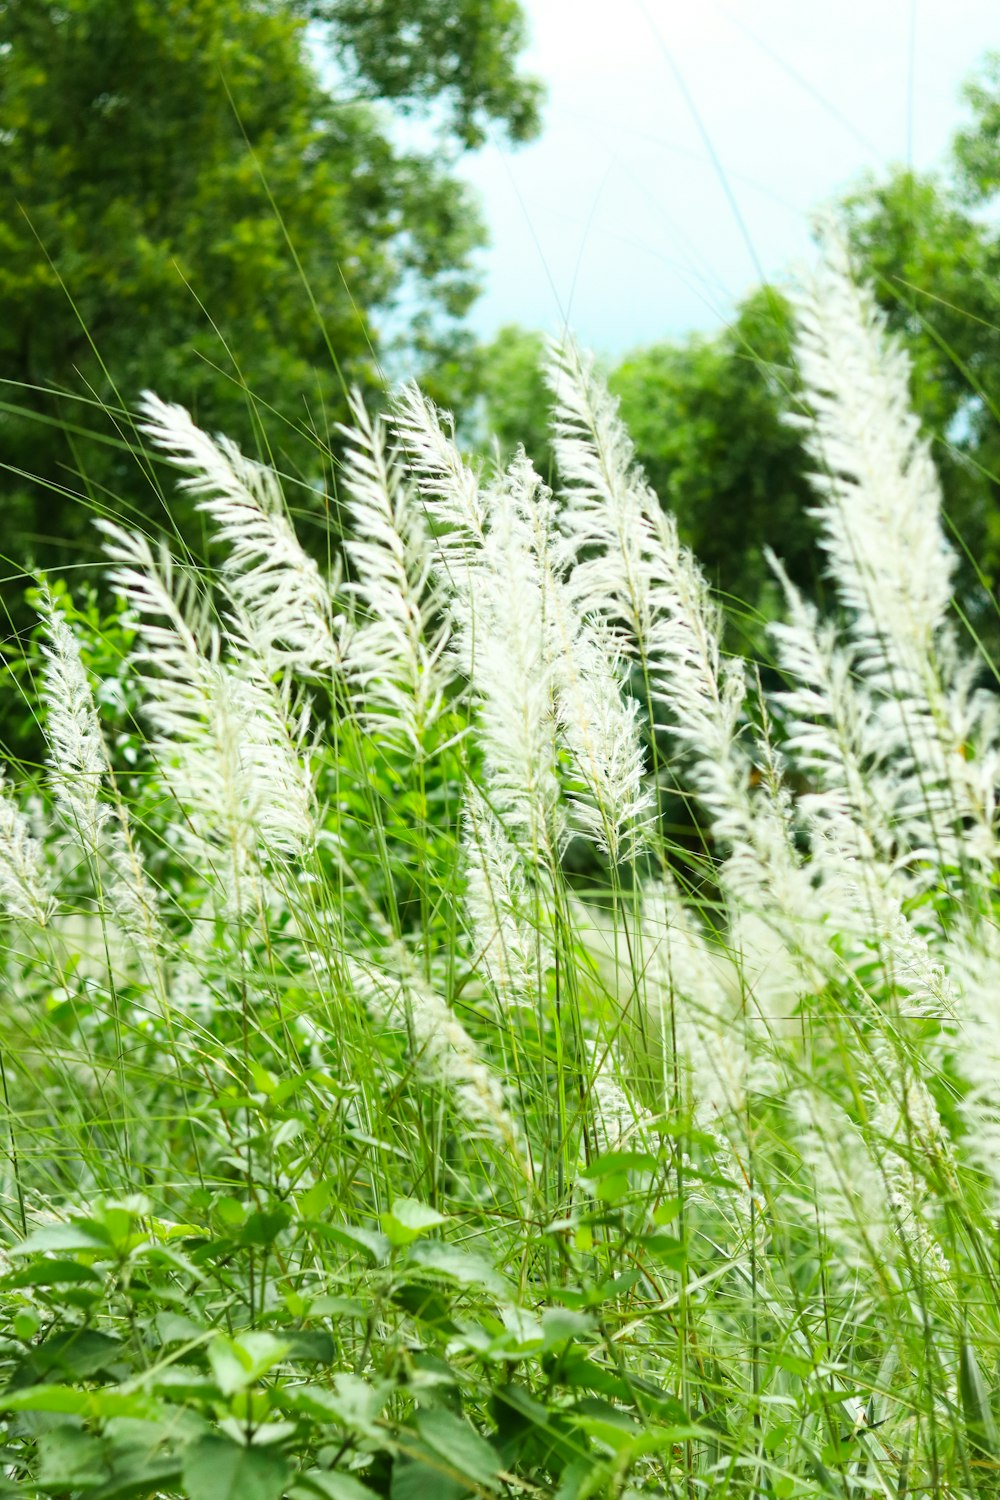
{"x": 275, "y": 760}
{"x": 396, "y": 655}
{"x": 78, "y": 765}
{"x": 608, "y": 501}
{"x": 585, "y": 706}
{"x": 879, "y": 512}
{"x": 908, "y": 1129}
{"x": 685, "y": 994}
{"x": 827, "y": 717}
{"x": 532, "y": 659}
{"x": 23, "y": 886}
{"x": 597, "y": 722}
{"x": 267, "y": 571}
{"x": 77, "y": 754}
{"x": 226, "y": 735}
{"x": 849, "y": 1189}
{"x": 632, "y": 570}
{"x": 618, "y": 1118}
{"x": 442, "y": 1048}
{"x": 599, "y": 725}
{"x": 496, "y": 898}
{"x": 133, "y": 900}
{"x": 455, "y": 505}
{"x": 879, "y": 492}
{"x": 504, "y": 648}
{"x": 972, "y": 954}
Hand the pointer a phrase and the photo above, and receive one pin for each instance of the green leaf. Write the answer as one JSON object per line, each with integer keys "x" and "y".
{"x": 353, "y": 1403}
{"x": 56, "y": 1398}
{"x": 562, "y": 1323}
{"x": 414, "y": 1480}
{"x": 616, "y": 1163}
{"x": 979, "y": 1420}
{"x": 72, "y": 1352}
{"x": 408, "y": 1219}
{"x": 668, "y": 1250}
{"x": 329, "y": 1486}
{"x": 458, "y": 1264}
{"x": 216, "y": 1469}
{"x": 69, "y": 1459}
{"x": 460, "y": 1445}
{"x": 51, "y": 1273}
{"x": 375, "y": 1245}
{"x": 237, "y": 1363}
{"x": 311, "y": 1346}
{"x": 427, "y": 1303}
{"x": 263, "y": 1228}
{"x": 80, "y": 1234}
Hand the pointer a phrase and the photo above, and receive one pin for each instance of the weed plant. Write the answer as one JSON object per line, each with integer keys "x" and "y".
{"x": 355, "y": 1145}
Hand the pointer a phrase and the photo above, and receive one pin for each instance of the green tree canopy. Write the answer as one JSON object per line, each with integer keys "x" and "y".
{"x": 188, "y": 200}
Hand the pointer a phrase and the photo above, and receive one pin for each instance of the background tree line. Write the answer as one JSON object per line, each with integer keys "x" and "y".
{"x": 213, "y": 196}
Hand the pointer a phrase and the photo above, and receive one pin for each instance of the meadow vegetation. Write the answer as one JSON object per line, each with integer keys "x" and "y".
{"x": 461, "y": 1034}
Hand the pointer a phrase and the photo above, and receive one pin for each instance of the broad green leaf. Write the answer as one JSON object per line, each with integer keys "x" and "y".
{"x": 408, "y": 1219}
{"x": 428, "y": 1303}
{"x": 459, "y": 1444}
{"x": 55, "y": 1398}
{"x": 238, "y": 1363}
{"x": 375, "y": 1245}
{"x": 413, "y": 1479}
{"x": 73, "y": 1353}
{"x": 69, "y": 1458}
{"x": 667, "y": 1249}
{"x": 51, "y": 1273}
{"x": 460, "y": 1265}
{"x": 617, "y": 1163}
{"x": 353, "y": 1403}
{"x": 311, "y": 1346}
{"x": 329, "y": 1485}
{"x": 216, "y": 1469}
{"x": 562, "y": 1323}
{"x": 79, "y": 1234}
{"x": 263, "y": 1227}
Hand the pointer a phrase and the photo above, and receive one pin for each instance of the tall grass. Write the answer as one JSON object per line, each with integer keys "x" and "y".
{"x": 392, "y": 1106}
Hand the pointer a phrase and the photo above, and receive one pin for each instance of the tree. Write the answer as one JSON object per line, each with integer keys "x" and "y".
{"x": 185, "y": 203}
{"x": 508, "y": 399}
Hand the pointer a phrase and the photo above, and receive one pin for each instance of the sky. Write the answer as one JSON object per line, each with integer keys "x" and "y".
{"x": 687, "y": 142}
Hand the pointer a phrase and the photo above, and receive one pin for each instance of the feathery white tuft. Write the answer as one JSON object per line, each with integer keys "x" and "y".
{"x": 443, "y": 1050}
{"x": 267, "y": 571}
{"x": 77, "y": 755}
{"x": 24, "y": 890}
{"x": 496, "y": 898}
{"x": 396, "y": 656}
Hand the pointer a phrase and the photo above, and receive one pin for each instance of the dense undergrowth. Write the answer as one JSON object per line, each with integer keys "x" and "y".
{"x": 391, "y": 1106}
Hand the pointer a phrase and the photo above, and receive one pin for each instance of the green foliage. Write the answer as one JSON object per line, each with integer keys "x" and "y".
{"x": 457, "y": 50}
{"x": 508, "y": 378}
{"x": 181, "y": 191}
